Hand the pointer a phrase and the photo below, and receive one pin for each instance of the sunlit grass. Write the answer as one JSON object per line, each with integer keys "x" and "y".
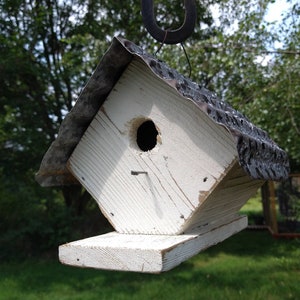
{"x": 254, "y": 210}
{"x": 253, "y": 205}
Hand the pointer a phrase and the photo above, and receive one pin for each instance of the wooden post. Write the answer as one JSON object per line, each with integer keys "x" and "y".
{"x": 273, "y": 215}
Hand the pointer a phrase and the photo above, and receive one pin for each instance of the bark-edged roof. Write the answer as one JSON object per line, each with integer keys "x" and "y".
{"x": 258, "y": 154}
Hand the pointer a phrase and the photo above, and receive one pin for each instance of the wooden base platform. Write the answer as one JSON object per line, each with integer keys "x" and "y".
{"x": 144, "y": 253}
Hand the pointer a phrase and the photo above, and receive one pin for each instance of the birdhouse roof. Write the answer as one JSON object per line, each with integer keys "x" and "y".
{"x": 258, "y": 154}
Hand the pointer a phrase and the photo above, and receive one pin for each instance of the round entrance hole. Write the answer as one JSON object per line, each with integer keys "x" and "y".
{"x": 146, "y": 136}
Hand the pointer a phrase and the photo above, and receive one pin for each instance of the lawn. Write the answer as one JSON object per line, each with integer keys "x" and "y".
{"x": 249, "y": 265}
{"x": 254, "y": 210}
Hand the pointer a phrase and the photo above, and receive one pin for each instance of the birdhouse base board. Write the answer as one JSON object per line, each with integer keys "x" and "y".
{"x": 144, "y": 253}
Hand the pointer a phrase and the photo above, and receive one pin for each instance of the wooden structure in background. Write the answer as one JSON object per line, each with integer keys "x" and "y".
{"x": 168, "y": 163}
{"x": 281, "y": 207}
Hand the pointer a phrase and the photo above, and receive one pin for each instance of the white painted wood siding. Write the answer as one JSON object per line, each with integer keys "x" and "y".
{"x": 192, "y": 156}
{"x": 225, "y": 200}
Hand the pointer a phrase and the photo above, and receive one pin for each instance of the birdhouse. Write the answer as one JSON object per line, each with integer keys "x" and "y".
{"x": 169, "y": 164}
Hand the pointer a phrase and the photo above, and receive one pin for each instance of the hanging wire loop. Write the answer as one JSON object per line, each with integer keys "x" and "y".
{"x": 169, "y": 36}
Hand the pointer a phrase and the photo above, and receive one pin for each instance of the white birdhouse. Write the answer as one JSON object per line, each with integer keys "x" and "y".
{"x": 169, "y": 164}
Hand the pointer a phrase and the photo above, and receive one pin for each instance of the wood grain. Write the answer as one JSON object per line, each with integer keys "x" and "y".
{"x": 143, "y": 253}
{"x": 192, "y": 155}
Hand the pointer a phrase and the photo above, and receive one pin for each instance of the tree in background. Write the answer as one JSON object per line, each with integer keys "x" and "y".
{"x": 48, "y": 49}
{"x": 255, "y": 66}
{"x": 266, "y": 85}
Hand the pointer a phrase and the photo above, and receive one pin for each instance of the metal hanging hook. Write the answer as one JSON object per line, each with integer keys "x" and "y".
{"x": 169, "y": 36}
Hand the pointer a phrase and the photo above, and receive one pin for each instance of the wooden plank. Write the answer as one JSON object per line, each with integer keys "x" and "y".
{"x": 144, "y": 253}
{"x": 226, "y": 199}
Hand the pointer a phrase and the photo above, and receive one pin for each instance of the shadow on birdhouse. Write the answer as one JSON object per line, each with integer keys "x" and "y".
{"x": 169, "y": 164}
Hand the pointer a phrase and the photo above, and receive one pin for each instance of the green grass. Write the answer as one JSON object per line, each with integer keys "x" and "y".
{"x": 250, "y": 265}
{"x": 254, "y": 210}
{"x": 253, "y": 205}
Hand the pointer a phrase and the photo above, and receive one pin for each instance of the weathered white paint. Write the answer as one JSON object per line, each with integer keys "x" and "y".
{"x": 225, "y": 200}
{"x": 144, "y": 253}
{"x": 191, "y": 158}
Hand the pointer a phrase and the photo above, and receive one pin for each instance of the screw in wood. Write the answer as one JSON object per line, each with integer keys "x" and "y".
{"x": 138, "y": 172}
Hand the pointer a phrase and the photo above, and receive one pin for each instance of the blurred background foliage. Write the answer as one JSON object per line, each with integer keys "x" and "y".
{"x": 48, "y": 50}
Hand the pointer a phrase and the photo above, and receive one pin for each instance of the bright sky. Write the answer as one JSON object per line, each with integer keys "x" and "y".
{"x": 276, "y": 9}
{"x": 275, "y": 13}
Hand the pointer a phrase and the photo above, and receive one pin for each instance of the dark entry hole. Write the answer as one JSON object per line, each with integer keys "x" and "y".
{"x": 146, "y": 136}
